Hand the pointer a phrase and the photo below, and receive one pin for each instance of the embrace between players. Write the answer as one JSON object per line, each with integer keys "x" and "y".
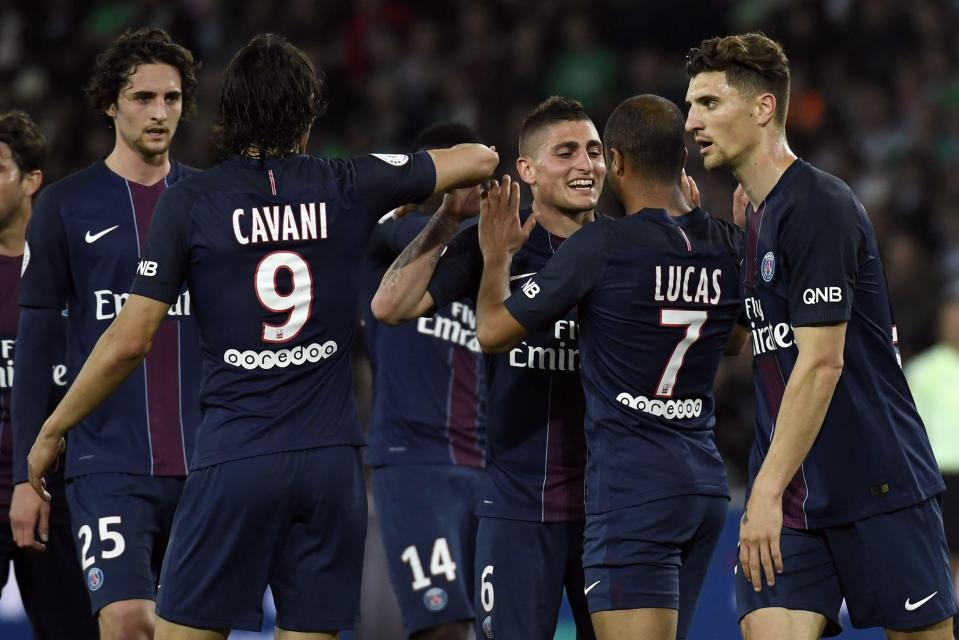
{"x": 262, "y": 258}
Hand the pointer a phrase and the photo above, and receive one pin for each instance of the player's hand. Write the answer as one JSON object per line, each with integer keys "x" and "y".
{"x": 740, "y": 200}
{"x": 461, "y": 204}
{"x": 690, "y": 190}
{"x": 759, "y": 532}
{"x": 500, "y": 231}
{"x": 29, "y": 518}
{"x": 43, "y": 458}
{"x": 401, "y": 211}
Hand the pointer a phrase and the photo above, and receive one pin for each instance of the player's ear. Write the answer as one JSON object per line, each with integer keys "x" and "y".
{"x": 31, "y": 182}
{"x": 526, "y": 170}
{"x": 617, "y": 165}
{"x": 765, "y": 108}
{"x": 111, "y": 111}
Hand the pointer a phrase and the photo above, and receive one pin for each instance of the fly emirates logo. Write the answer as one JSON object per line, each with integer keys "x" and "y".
{"x": 6, "y": 366}
{"x": 766, "y": 337}
{"x": 108, "y": 304}
{"x": 459, "y": 328}
{"x": 562, "y": 355}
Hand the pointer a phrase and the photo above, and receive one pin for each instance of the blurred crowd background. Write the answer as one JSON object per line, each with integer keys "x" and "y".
{"x": 875, "y": 100}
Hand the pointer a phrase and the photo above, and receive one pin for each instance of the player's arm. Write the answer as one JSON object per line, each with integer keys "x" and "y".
{"x": 820, "y": 242}
{"x": 464, "y": 165}
{"x": 118, "y": 352}
{"x": 41, "y": 334}
{"x": 403, "y": 294}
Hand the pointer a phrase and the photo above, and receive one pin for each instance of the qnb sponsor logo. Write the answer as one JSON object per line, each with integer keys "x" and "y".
{"x": 822, "y": 294}
{"x": 671, "y": 409}
{"x": 7, "y": 347}
{"x": 530, "y": 288}
{"x": 459, "y": 329}
{"x": 280, "y": 358}
{"x": 563, "y": 355}
{"x": 108, "y": 304}
{"x": 147, "y": 268}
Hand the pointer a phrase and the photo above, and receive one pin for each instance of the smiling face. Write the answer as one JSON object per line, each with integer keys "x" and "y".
{"x": 565, "y": 168}
{"x": 722, "y": 120}
{"x": 147, "y": 111}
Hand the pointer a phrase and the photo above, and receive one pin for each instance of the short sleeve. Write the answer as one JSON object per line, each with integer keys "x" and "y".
{"x": 459, "y": 270}
{"x": 819, "y": 243}
{"x": 164, "y": 260}
{"x": 45, "y": 280}
{"x": 383, "y": 182}
{"x": 567, "y": 278}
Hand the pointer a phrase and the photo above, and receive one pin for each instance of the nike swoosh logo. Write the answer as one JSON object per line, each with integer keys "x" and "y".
{"x": 93, "y": 237}
{"x": 590, "y": 588}
{"x": 912, "y": 607}
{"x": 521, "y": 276}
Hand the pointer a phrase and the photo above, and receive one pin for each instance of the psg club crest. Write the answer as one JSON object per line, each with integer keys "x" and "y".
{"x": 768, "y": 267}
{"x": 488, "y": 627}
{"x": 435, "y": 599}
{"x": 94, "y": 578}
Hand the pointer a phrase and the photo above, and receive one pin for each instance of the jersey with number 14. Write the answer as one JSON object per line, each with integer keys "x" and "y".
{"x": 271, "y": 250}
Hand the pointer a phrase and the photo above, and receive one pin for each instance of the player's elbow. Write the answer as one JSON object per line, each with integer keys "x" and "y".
{"x": 491, "y": 340}
{"x": 129, "y": 347}
{"x": 386, "y": 310}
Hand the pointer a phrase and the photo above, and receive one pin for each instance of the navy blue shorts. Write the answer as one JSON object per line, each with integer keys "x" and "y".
{"x": 428, "y": 524}
{"x": 50, "y": 582}
{"x": 121, "y": 523}
{"x": 652, "y": 556}
{"x": 521, "y": 571}
{"x": 295, "y": 521}
{"x": 892, "y": 569}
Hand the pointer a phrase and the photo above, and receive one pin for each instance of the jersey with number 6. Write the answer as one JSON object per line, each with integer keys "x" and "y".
{"x": 271, "y": 252}
{"x": 657, "y": 299}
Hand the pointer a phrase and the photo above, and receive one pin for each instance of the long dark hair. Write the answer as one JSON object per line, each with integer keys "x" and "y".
{"x": 271, "y": 94}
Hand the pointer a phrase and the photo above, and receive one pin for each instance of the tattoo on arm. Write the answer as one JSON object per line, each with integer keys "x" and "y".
{"x": 432, "y": 238}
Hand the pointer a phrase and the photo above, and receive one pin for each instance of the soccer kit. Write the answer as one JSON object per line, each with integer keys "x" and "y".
{"x": 657, "y": 299}
{"x": 530, "y": 536}
{"x": 126, "y": 460}
{"x": 50, "y": 581}
{"x": 869, "y": 483}
{"x": 427, "y": 443}
{"x": 271, "y": 250}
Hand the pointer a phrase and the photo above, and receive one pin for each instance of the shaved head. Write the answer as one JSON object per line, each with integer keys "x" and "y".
{"x": 648, "y": 131}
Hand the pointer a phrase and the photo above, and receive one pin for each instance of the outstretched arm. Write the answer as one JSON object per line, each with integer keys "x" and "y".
{"x": 119, "y": 351}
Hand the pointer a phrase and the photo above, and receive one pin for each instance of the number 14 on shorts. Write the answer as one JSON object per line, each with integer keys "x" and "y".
{"x": 441, "y": 563}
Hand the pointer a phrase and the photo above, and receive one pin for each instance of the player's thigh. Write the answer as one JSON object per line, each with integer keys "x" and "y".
{"x": 316, "y": 577}
{"x": 575, "y": 581}
{"x": 166, "y": 630}
{"x": 697, "y": 554}
{"x": 231, "y": 524}
{"x": 427, "y": 522}
{"x": 52, "y": 588}
{"x": 519, "y": 570}
{"x": 775, "y": 623}
{"x": 646, "y": 556}
{"x": 942, "y": 630}
{"x": 894, "y": 568}
{"x": 627, "y": 624}
{"x": 116, "y": 520}
{"x": 809, "y": 583}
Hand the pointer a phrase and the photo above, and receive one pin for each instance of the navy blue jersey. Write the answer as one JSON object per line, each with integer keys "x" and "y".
{"x": 536, "y": 449}
{"x": 812, "y": 259}
{"x": 657, "y": 299}
{"x": 83, "y": 243}
{"x": 271, "y": 251}
{"x": 428, "y": 388}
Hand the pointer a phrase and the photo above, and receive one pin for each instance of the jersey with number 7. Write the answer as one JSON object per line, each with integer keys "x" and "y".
{"x": 271, "y": 253}
{"x": 657, "y": 299}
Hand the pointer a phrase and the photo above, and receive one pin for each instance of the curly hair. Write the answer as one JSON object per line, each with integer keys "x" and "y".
{"x": 753, "y": 63}
{"x": 553, "y": 109}
{"x": 113, "y": 67}
{"x": 19, "y": 132}
{"x": 271, "y": 95}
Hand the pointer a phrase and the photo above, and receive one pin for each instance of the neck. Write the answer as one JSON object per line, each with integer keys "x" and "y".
{"x": 561, "y": 223}
{"x": 145, "y": 170}
{"x": 13, "y": 230}
{"x": 639, "y": 195}
{"x": 763, "y": 168}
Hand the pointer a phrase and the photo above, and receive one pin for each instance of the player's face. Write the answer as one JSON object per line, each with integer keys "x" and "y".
{"x": 721, "y": 119}
{"x": 567, "y": 169}
{"x": 148, "y": 109}
{"x": 12, "y": 187}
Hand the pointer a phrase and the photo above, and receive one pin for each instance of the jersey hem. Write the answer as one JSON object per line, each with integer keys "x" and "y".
{"x": 721, "y": 491}
{"x": 246, "y": 452}
{"x": 903, "y": 503}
